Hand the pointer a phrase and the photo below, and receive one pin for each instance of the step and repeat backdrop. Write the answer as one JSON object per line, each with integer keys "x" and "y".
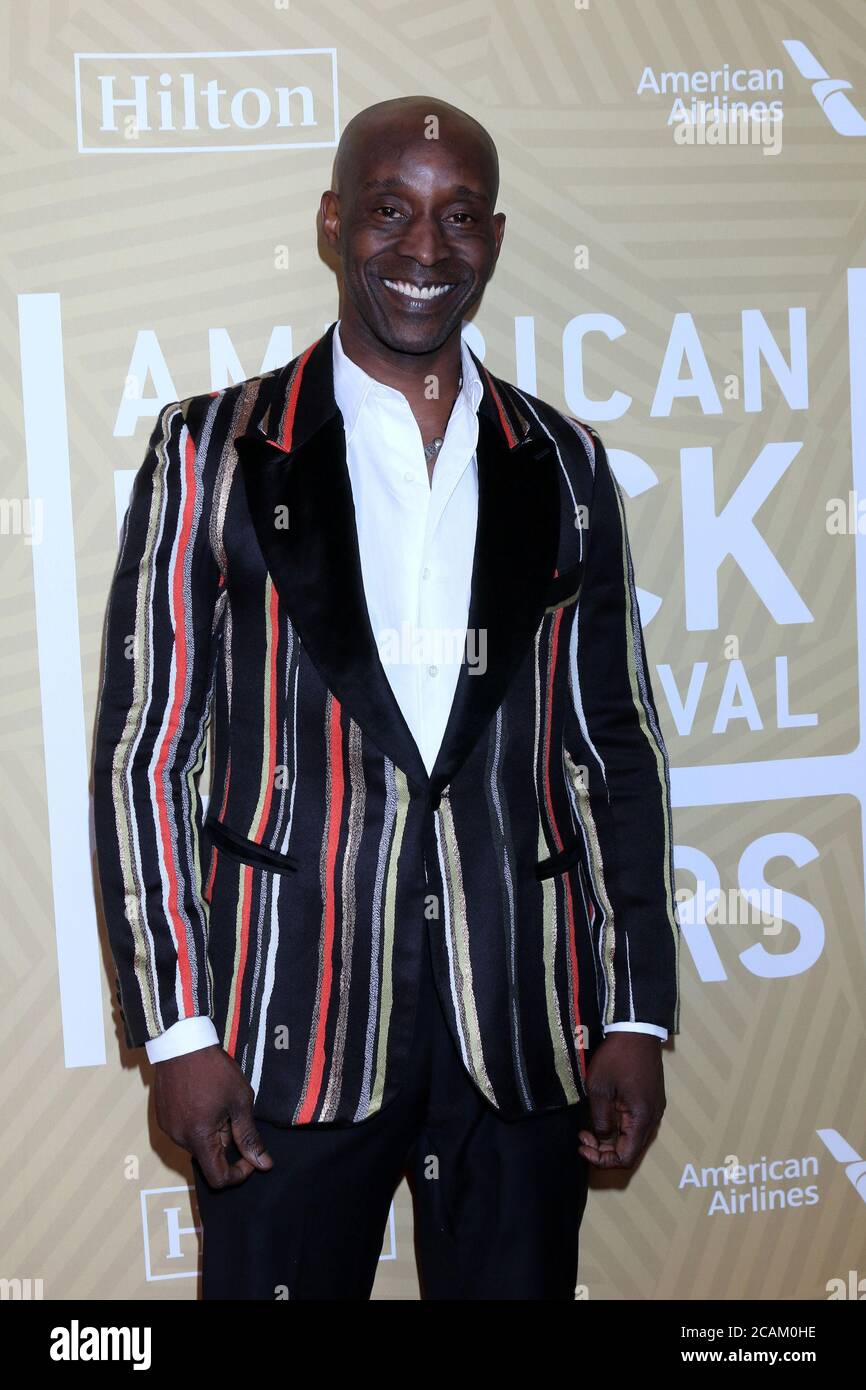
{"x": 684, "y": 267}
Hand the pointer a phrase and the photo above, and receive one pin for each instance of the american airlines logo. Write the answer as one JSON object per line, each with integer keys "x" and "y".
{"x": 845, "y": 1153}
{"x": 153, "y": 103}
{"x": 829, "y": 92}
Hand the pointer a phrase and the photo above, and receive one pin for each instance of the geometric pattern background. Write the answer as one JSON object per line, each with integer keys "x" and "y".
{"x": 704, "y": 306}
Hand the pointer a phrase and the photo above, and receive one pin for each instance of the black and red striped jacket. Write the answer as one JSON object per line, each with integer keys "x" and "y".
{"x": 292, "y": 909}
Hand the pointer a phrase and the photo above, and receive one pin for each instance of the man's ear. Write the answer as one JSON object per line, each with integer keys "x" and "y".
{"x": 329, "y": 207}
{"x": 499, "y": 230}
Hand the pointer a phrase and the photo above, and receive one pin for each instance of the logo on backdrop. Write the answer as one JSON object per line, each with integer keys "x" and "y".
{"x": 738, "y": 1188}
{"x": 716, "y": 95}
{"x": 843, "y": 1152}
{"x": 829, "y": 92}
{"x": 149, "y": 103}
{"x": 720, "y": 95}
{"x": 171, "y": 1228}
{"x": 170, "y": 1233}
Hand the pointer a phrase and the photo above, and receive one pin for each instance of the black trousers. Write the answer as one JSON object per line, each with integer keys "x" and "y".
{"x": 497, "y": 1203}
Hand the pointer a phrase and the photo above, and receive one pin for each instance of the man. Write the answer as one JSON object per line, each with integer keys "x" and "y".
{"x": 427, "y": 924}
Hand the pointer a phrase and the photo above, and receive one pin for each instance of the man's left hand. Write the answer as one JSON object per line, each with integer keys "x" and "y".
{"x": 626, "y": 1089}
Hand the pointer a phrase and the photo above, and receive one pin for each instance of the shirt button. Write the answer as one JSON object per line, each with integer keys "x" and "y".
{"x": 425, "y": 573}
{"x": 409, "y": 477}
{"x": 432, "y": 670}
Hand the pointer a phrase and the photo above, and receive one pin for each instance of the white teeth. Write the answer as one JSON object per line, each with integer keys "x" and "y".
{"x": 417, "y": 291}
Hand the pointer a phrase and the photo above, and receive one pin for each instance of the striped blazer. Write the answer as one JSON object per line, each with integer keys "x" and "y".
{"x": 291, "y": 905}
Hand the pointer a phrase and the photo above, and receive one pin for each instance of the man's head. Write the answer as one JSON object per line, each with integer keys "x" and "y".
{"x": 415, "y": 185}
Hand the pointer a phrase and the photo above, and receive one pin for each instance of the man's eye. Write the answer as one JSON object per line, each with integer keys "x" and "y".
{"x": 386, "y": 209}
{"x": 465, "y": 217}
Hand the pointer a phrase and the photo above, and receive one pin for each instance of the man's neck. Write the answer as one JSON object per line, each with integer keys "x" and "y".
{"x": 413, "y": 374}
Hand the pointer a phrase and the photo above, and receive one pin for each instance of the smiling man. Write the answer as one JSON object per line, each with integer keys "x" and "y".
{"x": 426, "y": 925}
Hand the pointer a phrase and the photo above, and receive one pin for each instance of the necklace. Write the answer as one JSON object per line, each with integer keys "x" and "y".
{"x": 432, "y": 449}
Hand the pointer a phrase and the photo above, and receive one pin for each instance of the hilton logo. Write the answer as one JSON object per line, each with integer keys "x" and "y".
{"x": 152, "y": 103}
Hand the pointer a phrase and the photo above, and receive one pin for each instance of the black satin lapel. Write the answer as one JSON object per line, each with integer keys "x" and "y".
{"x": 315, "y": 565}
{"x": 515, "y": 557}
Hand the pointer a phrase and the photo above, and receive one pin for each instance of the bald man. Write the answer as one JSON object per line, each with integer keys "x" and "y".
{"x": 426, "y": 927}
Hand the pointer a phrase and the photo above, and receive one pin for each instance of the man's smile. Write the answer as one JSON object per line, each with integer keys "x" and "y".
{"x": 414, "y": 296}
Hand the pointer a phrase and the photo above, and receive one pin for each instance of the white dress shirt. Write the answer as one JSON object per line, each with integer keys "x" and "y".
{"x": 416, "y": 539}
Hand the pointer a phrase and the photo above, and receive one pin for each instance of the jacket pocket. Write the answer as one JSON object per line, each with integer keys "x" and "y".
{"x": 564, "y": 589}
{"x": 564, "y": 859}
{"x": 246, "y": 850}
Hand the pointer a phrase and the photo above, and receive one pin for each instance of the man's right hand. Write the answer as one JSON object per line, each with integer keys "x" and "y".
{"x": 203, "y": 1100}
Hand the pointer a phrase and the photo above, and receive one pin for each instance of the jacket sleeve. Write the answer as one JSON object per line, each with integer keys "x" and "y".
{"x": 618, "y": 762}
{"x": 162, "y": 635}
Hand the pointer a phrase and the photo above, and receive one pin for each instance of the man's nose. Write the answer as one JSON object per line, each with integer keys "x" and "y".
{"x": 424, "y": 241}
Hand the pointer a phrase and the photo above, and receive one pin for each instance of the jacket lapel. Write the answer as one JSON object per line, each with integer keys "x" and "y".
{"x": 515, "y": 560}
{"x": 293, "y": 462}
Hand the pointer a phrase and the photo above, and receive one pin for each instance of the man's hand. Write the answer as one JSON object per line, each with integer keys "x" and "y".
{"x": 203, "y": 1100}
{"x": 626, "y": 1089}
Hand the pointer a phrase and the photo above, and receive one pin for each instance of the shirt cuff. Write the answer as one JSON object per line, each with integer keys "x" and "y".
{"x": 653, "y": 1028}
{"x": 187, "y": 1035}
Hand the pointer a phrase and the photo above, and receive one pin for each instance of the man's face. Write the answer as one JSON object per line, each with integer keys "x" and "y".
{"x": 417, "y": 237}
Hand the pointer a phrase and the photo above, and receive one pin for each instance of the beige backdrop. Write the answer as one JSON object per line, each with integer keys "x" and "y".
{"x": 142, "y": 267}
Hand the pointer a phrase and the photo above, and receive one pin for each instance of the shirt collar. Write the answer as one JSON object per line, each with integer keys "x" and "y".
{"x": 352, "y": 385}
